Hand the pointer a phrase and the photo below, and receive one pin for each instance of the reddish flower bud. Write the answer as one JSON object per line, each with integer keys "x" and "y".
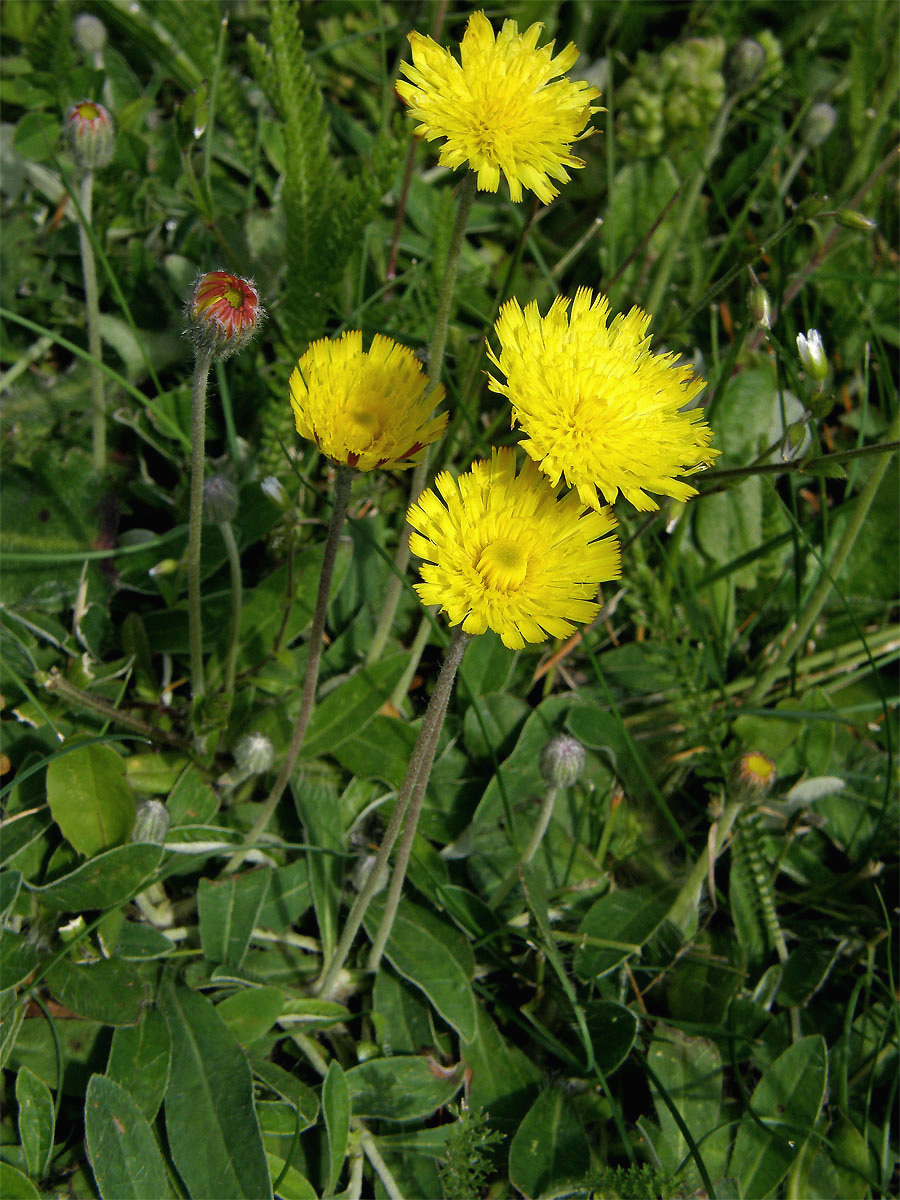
{"x": 91, "y": 134}
{"x": 224, "y": 313}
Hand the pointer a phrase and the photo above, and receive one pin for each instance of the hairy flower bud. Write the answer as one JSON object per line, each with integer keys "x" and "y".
{"x": 90, "y": 33}
{"x": 562, "y": 761}
{"x": 744, "y": 66}
{"x": 818, "y": 124}
{"x": 756, "y": 772}
{"x": 91, "y": 134}
{"x": 223, "y": 313}
{"x": 220, "y": 500}
{"x": 151, "y": 824}
{"x": 812, "y": 354}
{"x": 254, "y": 754}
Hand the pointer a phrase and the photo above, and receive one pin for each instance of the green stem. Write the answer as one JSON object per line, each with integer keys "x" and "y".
{"x": 688, "y": 204}
{"x": 56, "y": 682}
{"x": 195, "y": 517}
{"x": 338, "y": 512}
{"x": 376, "y": 873}
{"x": 92, "y": 305}
{"x": 435, "y": 366}
{"x": 816, "y": 602}
{"x": 381, "y": 1167}
{"x": 434, "y": 718}
{"x": 237, "y": 599}
{"x": 683, "y": 914}
{"x": 537, "y": 836}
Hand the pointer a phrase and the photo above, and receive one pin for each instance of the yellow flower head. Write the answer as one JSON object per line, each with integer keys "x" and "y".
{"x": 502, "y": 552}
{"x": 594, "y": 403}
{"x": 502, "y": 107}
{"x": 366, "y": 408}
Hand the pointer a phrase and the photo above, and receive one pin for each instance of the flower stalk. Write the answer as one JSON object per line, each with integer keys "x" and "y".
{"x": 343, "y": 480}
{"x": 419, "y": 766}
{"x": 237, "y": 600}
{"x": 436, "y": 350}
{"x": 92, "y": 306}
{"x": 202, "y": 362}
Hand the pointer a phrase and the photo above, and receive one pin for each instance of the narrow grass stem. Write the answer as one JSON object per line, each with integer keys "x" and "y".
{"x": 195, "y": 518}
{"x": 686, "y": 211}
{"x": 237, "y": 600}
{"x": 57, "y": 682}
{"x": 436, "y": 350}
{"x": 92, "y": 307}
{"x": 316, "y": 636}
{"x": 537, "y": 836}
{"x": 816, "y": 601}
{"x": 434, "y": 715}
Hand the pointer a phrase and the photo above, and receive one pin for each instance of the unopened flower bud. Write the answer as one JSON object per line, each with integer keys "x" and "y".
{"x": 90, "y": 133}
{"x": 760, "y": 307}
{"x": 90, "y": 33}
{"x": 223, "y": 313}
{"x": 818, "y": 124}
{"x": 812, "y": 355}
{"x": 756, "y": 772}
{"x": 275, "y": 490}
{"x": 151, "y": 824}
{"x": 167, "y": 566}
{"x": 562, "y": 761}
{"x": 220, "y": 500}
{"x": 744, "y": 65}
{"x": 849, "y": 218}
{"x": 254, "y": 754}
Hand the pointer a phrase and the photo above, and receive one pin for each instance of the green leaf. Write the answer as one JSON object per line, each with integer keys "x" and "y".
{"x": 434, "y": 957}
{"x": 612, "y": 1028}
{"x": 110, "y": 990}
{"x": 191, "y": 801}
{"x": 336, "y": 1109}
{"x": 403, "y": 1017}
{"x": 620, "y": 923}
{"x": 352, "y": 704}
{"x": 124, "y": 1156}
{"x": 401, "y": 1088}
{"x": 288, "y": 896}
{"x": 289, "y": 1088}
{"x": 550, "y": 1150}
{"x": 10, "y": 882}
{"x": 504, "y": 1080}
{"x": 16, "y": 1186}
{"x": 90, "y": 798}
{"x": 211, "y": 1123}
{"x": 293, "y": 1186}
{"x": 229, "y": 909}
{"x": 785, "y": 1104}
{"x": 140, "y": 1058}
{"x": 252, "y": 1012}
{"x": 107, "y": 880}
{"x": 690, "y": 1071}
{"x": 318, "y": 807}
{"x": 492, "y": 723}
{"x": 37, "y": 1120}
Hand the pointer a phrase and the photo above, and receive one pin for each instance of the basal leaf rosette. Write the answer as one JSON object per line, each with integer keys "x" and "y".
{"x": 503, "y": 108}
{"x": 365, "y": 408}
{"x": 502, "y": 551}
{"x": 596, "y": 405}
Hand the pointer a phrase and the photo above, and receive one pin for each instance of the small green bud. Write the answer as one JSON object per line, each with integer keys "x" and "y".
{"x": 90, "y": 33}
{"x": 562, "y": 761}
{"x": 818, "y": 124}
{"x": 254, "y": 754}
{"x": 220, "y": 500}
{"x": 167, "y": 566}
{"x": 849, "y": 218}
{"x": 812, "y": 355}
{"x": 744, "y": 66}
{"x": 151, "y": 823}
{"x": 760, "y": 306}
{"x": 91, "y": 134}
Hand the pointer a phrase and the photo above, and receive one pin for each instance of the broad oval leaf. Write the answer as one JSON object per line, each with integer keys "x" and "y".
{"x": 125, "y": 1158}
{"x": 37, "y": 1119}
{"x": 336, "y": 1109}
{"x": 550, "y": 1149}
{"x": 619, "y": 924}
{"x": 90, "y": 798}
{"x": 107, "y": 880}
{"x": 402, "y": 1088}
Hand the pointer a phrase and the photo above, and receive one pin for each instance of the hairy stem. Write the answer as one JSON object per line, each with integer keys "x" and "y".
{"x": 92, "y": 305}
{"x": 316, "y": 636}
{"x": 195, "y": 517}
{"x": 433, "y": 713}
{"x": 435, "y": 366}
{"x": 237, "y": 599}
{"x": 537, "y": 836}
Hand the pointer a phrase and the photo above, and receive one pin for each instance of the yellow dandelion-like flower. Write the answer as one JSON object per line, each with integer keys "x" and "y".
{"x": 596, "y": 406}
{"x": 503, "y": 552}
{"x": 365, "y": 408}
{"x": 502, "y": 107}
{"x": 757, "y": 771}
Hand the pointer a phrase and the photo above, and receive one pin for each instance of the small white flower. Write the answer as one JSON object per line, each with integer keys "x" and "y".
{"x": 812, "y": 354}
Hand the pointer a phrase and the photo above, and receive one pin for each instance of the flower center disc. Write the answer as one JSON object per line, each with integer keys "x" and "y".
{"x": 502, "y": 564}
